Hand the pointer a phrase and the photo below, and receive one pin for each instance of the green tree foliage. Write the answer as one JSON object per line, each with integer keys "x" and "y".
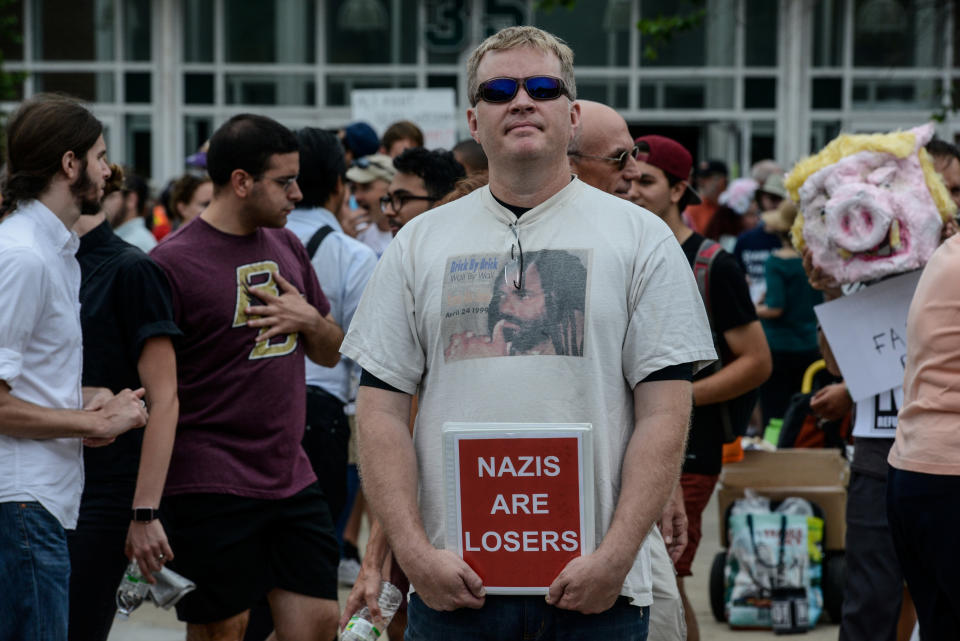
{"x": 10, "y": 82}
{"x": 658, "y": 30}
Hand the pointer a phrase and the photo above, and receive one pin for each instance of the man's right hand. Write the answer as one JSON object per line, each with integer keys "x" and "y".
{"x": 469, "y": 345}
{"x": 124, "y": 411}
{"x": 832, "y": 402}
{"x": 674, "y": 524}
{"x": 445, "y": 582}
{"x": 818, "y": 279}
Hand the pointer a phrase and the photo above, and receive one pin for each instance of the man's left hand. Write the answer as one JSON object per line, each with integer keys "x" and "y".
{"x": 287, "y": 313}
{"x": 588, "y": 584}
{"x": 147, "y": 544}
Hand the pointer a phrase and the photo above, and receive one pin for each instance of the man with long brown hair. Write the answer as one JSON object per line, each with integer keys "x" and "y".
{"x": 56, "y": 169}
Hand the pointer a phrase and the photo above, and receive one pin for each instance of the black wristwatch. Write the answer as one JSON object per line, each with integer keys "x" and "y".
{"x": 145, "y": 514}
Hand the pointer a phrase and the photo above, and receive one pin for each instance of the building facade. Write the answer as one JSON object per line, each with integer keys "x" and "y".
{"x": 750, "y": 79}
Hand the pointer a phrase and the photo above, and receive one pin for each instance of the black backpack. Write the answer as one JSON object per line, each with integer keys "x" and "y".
{"x": 734, "y": 413}
{"x": 314, "y": 243}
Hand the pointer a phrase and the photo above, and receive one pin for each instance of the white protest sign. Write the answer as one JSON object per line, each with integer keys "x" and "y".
{"x": 867, "y": 332}
{"x": 433, "y": 110}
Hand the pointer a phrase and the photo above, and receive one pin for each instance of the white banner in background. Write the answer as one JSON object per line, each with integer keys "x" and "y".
{"x": 433, "y": 110}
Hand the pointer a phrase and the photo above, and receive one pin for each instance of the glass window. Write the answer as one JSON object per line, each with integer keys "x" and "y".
{"x": 136, "y": 87}
{"x": 340, "y": 86}
{"x": 500, "y": 14}
{"x": 699, "y": 93}
{"x": 763, "y": 139}
{"x": 614, "y": 93}
{"x": 11, "y": 37}
{"x": 599, "y": 32}
{"x": 710, "y": 43}
{"x": 136, "y": 29}
{"x": 270, "y": 31}
{"x": 367, "y": 31}
{"x": 445, "y": 81}
{"x": 898, "y": 33}
{"x": 956, "y": 37}
{"x": 896, "y": 94}
{"x": 91, "y": 87}
{"x": 761, "y": 33}
{"x": 822, "y": 132}
{"x": 196, "y": 131}
{"x": 198, "y": 89}
{"x": 447, "y": 30}
{"x": 197, "y": 31}
{"x": 759, "y": 93}
{"x": 139, "y": 144}
{"x": 828, "y": 33}
{"x": 89, "y": 23}
{"x": 270, "y": 89}
{"x": 827, "y": 93}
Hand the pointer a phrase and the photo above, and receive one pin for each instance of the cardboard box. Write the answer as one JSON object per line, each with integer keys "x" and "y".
{"x": 820, "y": 476}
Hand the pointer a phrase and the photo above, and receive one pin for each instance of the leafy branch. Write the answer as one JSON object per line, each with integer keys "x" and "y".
{"x": 10, "y": 81}
{"x": 657, "y": 31}
{"x": 550, "y": 5}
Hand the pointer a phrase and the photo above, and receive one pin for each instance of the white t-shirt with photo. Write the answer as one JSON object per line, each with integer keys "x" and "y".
{"x": 607, "y": 298}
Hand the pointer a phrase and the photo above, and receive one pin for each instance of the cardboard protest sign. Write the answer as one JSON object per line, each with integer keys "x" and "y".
{"x": 433, "y": 110}
{"x": 519, "y": 501}
{"x": 867, "y": 332}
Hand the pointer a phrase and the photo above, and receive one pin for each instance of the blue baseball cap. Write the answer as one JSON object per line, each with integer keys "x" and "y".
{"x": 361, "y": 139}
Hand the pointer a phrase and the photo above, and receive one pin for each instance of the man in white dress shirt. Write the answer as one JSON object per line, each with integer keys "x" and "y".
{"x": 56, "y": 169}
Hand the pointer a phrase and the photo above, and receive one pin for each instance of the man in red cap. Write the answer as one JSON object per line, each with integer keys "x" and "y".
{"x": 664, "y": 168}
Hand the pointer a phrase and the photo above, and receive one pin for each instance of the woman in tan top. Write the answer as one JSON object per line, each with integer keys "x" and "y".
{"x": 923, "y": 493}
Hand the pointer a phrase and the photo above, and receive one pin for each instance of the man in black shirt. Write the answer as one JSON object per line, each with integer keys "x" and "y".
{"x": 127, "y": 321}
{"x": 664, "y": 167}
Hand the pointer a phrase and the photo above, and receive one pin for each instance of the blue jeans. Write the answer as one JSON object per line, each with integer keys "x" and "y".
{"x": 525, "y": 618}
{"x": 34, "y": 574}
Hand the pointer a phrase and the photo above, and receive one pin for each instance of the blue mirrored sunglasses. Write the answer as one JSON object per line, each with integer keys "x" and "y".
{"x": 537, "y": 87}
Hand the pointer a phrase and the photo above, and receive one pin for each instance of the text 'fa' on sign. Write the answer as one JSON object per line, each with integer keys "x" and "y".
{"x": 519, "y": 500}
{"x": 867, "y": 332}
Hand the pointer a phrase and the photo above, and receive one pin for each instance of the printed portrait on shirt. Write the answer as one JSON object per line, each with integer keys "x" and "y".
{"x": 498, "y": 305}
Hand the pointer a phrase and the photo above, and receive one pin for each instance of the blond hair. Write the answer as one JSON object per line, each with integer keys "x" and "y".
{"x": 898, "y": 143}
{"x": 513, "y": 37}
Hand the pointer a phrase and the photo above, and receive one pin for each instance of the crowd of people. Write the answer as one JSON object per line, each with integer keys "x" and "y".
{"x": 196, "y": 378}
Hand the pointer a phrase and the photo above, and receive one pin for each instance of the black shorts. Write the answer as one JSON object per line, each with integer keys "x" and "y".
{"x": 236, "y": 549}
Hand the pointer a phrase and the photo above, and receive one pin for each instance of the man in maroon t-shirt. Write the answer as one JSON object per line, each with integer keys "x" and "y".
{"x": 244, "y": 511}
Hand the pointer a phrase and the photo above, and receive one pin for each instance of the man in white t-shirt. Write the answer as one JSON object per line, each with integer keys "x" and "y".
{"x": 623, "y": 361}
{"x": 56, "y": 172}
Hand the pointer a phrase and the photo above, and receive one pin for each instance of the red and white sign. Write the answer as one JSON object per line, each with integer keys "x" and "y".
{"x": 521, "y": 506}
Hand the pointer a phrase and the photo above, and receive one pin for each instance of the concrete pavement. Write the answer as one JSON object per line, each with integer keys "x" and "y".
{"x": 152, "y": 624}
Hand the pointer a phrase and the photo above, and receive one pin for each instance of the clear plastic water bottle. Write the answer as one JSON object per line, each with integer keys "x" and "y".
{"x": 361, "y": 626}
{"x": 132, "y": 590}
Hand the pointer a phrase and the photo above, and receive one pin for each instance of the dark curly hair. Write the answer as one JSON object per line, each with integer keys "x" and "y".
{"x": 438, "y": 168}
{"x": 246, "y": 142}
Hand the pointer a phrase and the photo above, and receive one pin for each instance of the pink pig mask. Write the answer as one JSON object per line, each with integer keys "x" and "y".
{"x": 871, "y": 214}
